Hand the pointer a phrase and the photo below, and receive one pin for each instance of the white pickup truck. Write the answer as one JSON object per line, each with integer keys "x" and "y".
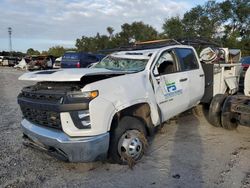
{"x": 111, "y": 108}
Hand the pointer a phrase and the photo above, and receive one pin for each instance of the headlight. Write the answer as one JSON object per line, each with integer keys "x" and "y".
{"x": 88, "y": 94}
{"x": 81, "y": 119}
{"x": 84, "y": 118}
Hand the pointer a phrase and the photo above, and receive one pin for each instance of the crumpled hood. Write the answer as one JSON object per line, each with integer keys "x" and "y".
{"x": 65, "y": 75}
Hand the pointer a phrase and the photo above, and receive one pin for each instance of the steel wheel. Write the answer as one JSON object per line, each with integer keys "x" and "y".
{"x": 128, "y": 141}
{"x": 131, "y": 144}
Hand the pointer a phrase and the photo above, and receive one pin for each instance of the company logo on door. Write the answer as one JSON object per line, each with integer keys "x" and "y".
{"x": 172, "y": 90}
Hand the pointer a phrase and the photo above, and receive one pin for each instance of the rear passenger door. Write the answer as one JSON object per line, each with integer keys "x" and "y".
{"x": 189, "y": 64}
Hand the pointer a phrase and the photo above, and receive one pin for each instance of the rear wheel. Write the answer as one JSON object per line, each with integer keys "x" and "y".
{"x": 214, "y": 114}
{"x": 228, "y": 119}
{"x": 128, "y": 141}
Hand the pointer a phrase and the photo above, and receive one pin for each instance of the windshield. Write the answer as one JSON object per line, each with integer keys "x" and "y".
{"x": 122, "y": 64}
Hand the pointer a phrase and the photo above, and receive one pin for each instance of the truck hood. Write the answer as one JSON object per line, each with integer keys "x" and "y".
{"x": 66, "y": 75}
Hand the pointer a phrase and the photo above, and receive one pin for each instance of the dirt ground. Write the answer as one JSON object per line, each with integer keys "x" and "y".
{"x": 187, "y": 152}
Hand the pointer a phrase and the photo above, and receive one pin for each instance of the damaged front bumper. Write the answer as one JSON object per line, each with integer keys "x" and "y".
{"x": 73, "y": 149}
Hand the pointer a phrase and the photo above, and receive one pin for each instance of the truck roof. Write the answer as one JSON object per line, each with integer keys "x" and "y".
{"x": 144, "y": 54}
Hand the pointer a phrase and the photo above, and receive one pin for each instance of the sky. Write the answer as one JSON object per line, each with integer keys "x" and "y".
{"x": 41, "y": 24}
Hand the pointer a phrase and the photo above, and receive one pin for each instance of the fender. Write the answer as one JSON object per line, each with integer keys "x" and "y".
{"x": 154, "y": 115}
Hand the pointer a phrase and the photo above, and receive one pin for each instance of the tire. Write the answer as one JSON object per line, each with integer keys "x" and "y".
{"x": 214, "y": 114}
{"x": 228, "y": 118}
{"x": 130, "y": 134}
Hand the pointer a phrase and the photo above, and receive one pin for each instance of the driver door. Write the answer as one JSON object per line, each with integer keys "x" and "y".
{"x": 170, "y": 85}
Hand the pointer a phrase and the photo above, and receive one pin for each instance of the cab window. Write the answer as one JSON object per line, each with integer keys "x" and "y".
{"x": 187, "y": 59}
{"x": 167, "y": 63}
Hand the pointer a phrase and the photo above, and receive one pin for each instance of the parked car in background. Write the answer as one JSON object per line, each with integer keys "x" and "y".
{"x": 40, "y": 62}
{"x": 245, "y": 62}
{"x": 5, "y": 61}
{"x": 1, "y": 60}
{"x": 12, "y": 61}
{"x": 57, "y": 64}
{"x": 9, "y": 61}
{"x": 79, "y": 59}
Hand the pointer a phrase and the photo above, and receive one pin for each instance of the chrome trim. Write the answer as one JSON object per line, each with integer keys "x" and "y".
{"x": 77, "y": 149}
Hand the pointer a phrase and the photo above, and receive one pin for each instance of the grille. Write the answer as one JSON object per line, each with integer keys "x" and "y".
{"x": 42, "y": 117}
{"x": 40, "y": 96}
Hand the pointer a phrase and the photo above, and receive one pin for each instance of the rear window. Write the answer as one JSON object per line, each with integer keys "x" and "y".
{"x": 187, "y": 59}
{"x": 71, "y": 56}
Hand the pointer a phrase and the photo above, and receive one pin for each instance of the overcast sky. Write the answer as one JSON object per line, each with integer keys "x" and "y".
{"x": 41, "y": 24}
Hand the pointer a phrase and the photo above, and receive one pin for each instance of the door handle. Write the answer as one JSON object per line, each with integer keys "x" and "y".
{"x": 201, "y": 75}
{"x": 183, "y": 79}
{"x": 158, "y": 79}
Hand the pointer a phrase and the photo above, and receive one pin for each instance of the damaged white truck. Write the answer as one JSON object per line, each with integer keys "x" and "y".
{"x": 83, "y": 115}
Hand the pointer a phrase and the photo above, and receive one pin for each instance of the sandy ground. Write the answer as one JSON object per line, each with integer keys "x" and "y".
{"x": 185, "y": 153}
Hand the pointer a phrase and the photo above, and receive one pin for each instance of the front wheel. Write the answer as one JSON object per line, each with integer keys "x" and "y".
{"x": 128, "y": 141}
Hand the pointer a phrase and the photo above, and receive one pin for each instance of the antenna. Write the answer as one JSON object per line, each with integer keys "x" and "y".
{"x": 10, "y": 43}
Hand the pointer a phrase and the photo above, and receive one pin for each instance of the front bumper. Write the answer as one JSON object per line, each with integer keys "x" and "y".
{"x": 79, "y": 149}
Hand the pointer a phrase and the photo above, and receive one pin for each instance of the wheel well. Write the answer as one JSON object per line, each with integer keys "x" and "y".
{"x": 141, "y": 111}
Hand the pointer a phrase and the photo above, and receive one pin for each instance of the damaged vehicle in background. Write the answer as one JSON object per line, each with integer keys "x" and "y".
{"x": 40, "y": 62}
{"x": 79, "y": 59}
{"x": 22, "y": 65}
{"x": 113, "y": 107}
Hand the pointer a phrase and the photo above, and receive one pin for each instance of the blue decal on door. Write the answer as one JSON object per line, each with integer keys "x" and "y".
{"x": 172, "y": 90}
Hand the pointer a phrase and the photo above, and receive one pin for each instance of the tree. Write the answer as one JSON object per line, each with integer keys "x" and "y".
{"x": 137, "y": 31}
{"x": 31, "y": 51}
{"x": 203, "y": 21}
{"x": 44, "y": 52}
{"x": 198, "y": 24}
{"x": 56, "y": 51}
{"x": 236, "y": 15}
{"x": 110, "y": 31}
{"x": 227, "y": 21}
{"x": 173, "y": 28}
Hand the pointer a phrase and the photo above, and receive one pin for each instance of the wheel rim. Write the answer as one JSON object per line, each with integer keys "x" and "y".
{"x": 131, "y": 144}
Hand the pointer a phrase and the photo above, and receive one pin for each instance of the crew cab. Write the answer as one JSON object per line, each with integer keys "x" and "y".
{"x": 111, "y": 108}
